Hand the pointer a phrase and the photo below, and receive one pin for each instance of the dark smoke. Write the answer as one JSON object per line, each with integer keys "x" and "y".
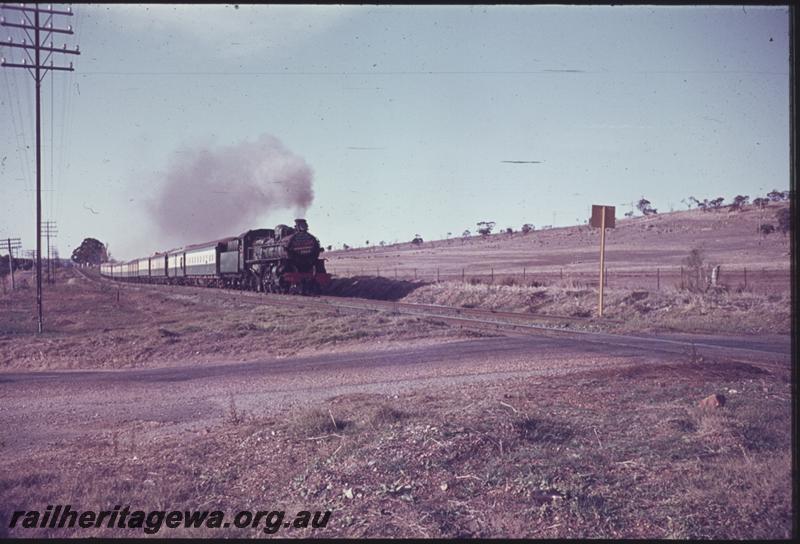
{"x": 215, "y": 193}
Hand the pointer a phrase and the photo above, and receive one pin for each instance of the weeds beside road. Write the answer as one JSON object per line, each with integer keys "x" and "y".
{"x": 669, "y": 310}
{"x": 623, "y": 453}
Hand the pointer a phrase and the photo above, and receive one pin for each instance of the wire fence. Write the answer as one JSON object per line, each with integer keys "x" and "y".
{"x": 743, "y": 278}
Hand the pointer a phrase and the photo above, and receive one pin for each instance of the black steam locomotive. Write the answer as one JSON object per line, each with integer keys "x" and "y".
{"x": 279, "y": 260}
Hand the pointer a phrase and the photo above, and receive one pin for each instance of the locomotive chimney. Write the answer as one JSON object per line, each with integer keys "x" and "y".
{"x": 300, "y": 225}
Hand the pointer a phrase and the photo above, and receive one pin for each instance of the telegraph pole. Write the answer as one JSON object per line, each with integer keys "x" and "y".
{"x": 38, "y": 69}
{"x": 12, "y": 244}
{"x": 50, "y": 229}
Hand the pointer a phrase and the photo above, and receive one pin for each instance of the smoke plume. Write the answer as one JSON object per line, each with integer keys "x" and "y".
{"x": 215, "y": 193}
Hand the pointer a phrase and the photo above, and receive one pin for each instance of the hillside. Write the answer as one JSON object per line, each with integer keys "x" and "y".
{"x": 637, "y": 245}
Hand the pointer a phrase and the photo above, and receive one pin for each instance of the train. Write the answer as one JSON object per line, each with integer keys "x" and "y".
{"x": 280, "y": 260}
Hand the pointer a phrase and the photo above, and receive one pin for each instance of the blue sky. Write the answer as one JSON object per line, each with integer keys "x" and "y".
{"x": 405, "y": 114}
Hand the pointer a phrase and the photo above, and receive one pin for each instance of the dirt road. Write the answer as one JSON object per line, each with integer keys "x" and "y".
{"x": 50, "y": 409}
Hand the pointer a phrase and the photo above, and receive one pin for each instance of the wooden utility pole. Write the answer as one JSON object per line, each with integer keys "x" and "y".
{"x": 50, "y": 230}
{"x": 42, "y": 32}
{"x": 602, "y": 260}
{"x": 12, "y": 244}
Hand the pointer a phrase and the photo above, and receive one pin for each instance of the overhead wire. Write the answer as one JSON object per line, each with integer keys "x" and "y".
{"x": 19, "y": 132}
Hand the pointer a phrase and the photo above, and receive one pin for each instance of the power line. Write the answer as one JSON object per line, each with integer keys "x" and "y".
{"x": 37, "y": 68}
{"x": 441, "y": 72}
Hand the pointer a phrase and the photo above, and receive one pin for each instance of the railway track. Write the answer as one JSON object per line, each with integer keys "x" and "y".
{"x": 514, "y": 323}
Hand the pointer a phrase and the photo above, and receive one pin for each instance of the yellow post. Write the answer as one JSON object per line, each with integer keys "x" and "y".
{"x": 602, "y": 259}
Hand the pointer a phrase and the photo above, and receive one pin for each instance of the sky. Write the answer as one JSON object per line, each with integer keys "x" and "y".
{"x": 402, "y": 118}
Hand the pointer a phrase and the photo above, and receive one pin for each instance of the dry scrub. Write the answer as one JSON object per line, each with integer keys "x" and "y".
{"x": 669, "y": 309}
{"x": 614, "y": 454}
{"x": 100, "y": 325}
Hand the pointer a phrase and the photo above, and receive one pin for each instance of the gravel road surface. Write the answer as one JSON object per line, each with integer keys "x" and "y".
{"x": 40, "y": 409}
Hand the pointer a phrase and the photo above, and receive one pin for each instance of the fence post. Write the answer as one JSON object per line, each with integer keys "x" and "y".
{"x": 437, "y": 274}
{"x": 462, "y": 275}
{"x": 658, "y": 279}
{"x": 523, "y": 273}
{"x": 745, "y": 277}
{"x": 682, "y": 278}
{"x": 492, "y": 275}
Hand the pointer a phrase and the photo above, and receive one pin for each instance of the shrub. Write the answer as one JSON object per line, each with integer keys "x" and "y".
{"x": 694, "y": 263}
{"x": 766, "y": 228}
{"x": 784, "y": 220}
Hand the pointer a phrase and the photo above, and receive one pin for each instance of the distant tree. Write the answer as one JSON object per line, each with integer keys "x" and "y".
{"x": 509, "y": 230}
{"x": 691, "y": 200}
{"x": 783, "y": 216}
{"x": 329, "y": 248}
{"x": 739, "y": 202}
{"x": 417, "y": 239}
{"x": 527, "y": 227}
{"x": 644, "y": 206}
{"x": 382, "y": 243}
{"x": 367, "y": 242}
{"x": 717, "y": 203}
{"x": 91, "y": 251}
{"x": 766, "y": 228}
{"x": 629, "y": 214}
{"x": 345, "y": 247}
{"x": 760, "y": 202}
{"x": 5, "y": 266}
{"x": 776, "y": 195}
{"x": 485, "y": 227}
{"x": 466, "y": 233}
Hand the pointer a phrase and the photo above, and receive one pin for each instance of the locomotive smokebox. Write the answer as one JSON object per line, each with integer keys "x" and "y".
{"x": 300, "y": 225}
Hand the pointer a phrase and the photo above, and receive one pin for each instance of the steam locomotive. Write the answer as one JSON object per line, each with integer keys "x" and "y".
{"x": 280, "y": 260}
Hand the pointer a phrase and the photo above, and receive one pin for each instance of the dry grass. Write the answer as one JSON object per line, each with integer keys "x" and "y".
{"x": 614, "y": 454}
{"x": 88, "y": 327}
{"x": 669, "y": 309}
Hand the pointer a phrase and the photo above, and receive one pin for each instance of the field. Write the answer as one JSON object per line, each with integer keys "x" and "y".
{"x": 404, "y": 426}
{"x": 641, "y": 252}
